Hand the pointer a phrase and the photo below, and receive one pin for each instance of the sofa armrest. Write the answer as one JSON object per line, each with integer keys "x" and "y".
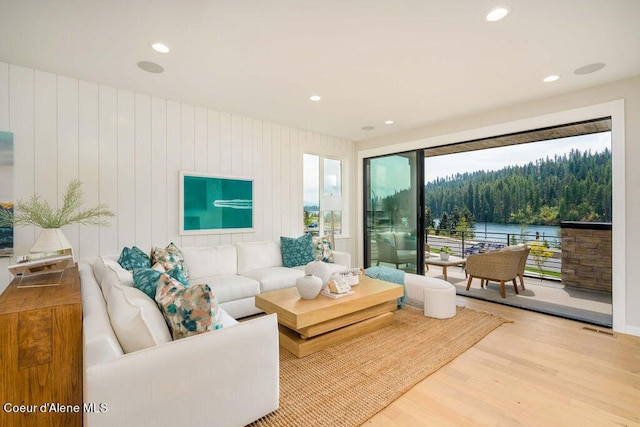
{"x": 228, "y": 377}
{"x": 342, "y": 258}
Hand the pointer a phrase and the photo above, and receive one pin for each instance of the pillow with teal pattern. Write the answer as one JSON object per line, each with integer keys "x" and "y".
{"x": 170, "y": 257}
{"x": 133, "y": 258}
{"x": 187, "y": 310}
{"x": 146, "y": 279}
{"x": 297, "y": 251}
{"x": 322, "y": 249}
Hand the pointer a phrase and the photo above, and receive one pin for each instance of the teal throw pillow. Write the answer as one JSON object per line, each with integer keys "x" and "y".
{"x": 146, "y": 279}
{"x": 134, "y": 258}
{"x": 297, "y": 251}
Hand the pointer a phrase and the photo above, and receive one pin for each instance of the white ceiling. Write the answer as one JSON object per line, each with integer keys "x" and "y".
{"x": 414, "y": 61}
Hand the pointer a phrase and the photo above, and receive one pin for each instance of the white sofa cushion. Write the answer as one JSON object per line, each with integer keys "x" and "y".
{"x": 100, "y": 342}
{"x": 227, "y": 320}
{"x": 135, "y": 318}
{"x": 230, "y": 288}
{"x": 211, "y": 261}
{"x": 101, "y": 265}
{"x": 275, "y": 277}
{"x": 258, "y": 255}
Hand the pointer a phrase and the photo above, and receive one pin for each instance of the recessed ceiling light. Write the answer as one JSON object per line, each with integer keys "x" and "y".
{"x": 150, "y": 67}
{"x": 315, "y": 97}
{"x": 496, "y": 14}
{"x": 388, "y": 122}
{"x": 160, "y": 47}
{"x": 550, "y": 79}
{"x": 590, "y": 68}
{"x": 368, "y": 128}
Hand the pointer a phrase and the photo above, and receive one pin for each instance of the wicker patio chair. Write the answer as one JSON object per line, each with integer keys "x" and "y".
{"x": 523, "y": 263}
{"x": 497, "y": 266}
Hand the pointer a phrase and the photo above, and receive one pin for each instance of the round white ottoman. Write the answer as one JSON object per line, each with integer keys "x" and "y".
{"x": 437, "y": 295}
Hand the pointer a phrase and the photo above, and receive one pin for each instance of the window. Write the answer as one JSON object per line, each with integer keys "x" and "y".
{"x": 319, "y": 207}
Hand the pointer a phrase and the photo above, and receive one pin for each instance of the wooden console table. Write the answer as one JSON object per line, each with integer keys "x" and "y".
{"x": 41, "y": 353}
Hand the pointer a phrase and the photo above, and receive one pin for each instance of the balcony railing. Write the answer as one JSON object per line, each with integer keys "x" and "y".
{"x": 464, "y": 244}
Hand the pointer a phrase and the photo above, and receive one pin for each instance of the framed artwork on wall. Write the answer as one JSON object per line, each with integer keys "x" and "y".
{"x": 6, "y": 192}
{"x": 211, "y": 204}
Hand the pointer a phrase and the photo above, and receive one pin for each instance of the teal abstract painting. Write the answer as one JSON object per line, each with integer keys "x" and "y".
{"x": 215, "y": 204}
{"x": 6, "y": 191}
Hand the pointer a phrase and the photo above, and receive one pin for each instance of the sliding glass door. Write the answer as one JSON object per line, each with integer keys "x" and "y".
{"x": 393, "y": 234}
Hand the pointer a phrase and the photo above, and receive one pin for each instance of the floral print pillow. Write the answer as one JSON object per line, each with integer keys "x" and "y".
{"x": 322, "y": 249}
{"x": 170, "y": 257}
{"x": 188, "y": 310}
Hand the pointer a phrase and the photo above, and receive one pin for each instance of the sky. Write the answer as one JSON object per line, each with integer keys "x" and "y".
{"x": 498, "y": 158}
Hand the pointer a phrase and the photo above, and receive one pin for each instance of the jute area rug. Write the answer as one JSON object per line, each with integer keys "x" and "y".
{"x": 347, "y": 384}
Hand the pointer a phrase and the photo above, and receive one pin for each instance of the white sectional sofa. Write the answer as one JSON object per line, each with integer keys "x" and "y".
{"x": 136, "y": 375}
{"x": 237, "y": 273}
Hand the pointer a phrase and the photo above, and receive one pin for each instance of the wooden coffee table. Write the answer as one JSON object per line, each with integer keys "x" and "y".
{"x": 308, "y": 326}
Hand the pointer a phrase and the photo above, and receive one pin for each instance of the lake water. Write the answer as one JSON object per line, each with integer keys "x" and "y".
{"x": 496, "y": 231}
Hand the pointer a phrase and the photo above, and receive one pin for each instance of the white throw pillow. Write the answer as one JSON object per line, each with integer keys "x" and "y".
{"x": 135, "y": 318}
{"x": 211, "y": 261}
{"x": 258, "y": 255}
{"x": 101, "y": 265}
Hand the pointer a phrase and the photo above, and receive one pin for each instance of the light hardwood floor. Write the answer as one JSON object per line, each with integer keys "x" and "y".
{"x": 539, "y": 370}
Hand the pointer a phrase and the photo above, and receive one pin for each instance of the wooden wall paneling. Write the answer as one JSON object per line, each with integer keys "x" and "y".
{"x": 247, "y": 147}
{"x": 108, "y": 155}
{"x": 200, "y": 140}
{"x": 125, "y": 146}
{"x": 4, "y": 97}
{"x": 225, "y": 158}
{"x": 46, "y": 137}
{"x": 88, "y": 163}
{"x": 225, "y": 144}
{"x": 285, "y": 166}
{"x": 267, "y": 185}
{"x": 21, "y": 123}
{"x": 236, "y": 145}
{"x": 213, "y": 141}
{"x": 187, "y": 145}
{"x": 159, "y": 176}
{"x": 68, "y": 129}
{"x": 126, "y": 169}
{"x": 174, "y": 153}
{"x": 213, "y": 157}
{"x": 247, "y": 164}
{"x": 200, "y": 152}
{"x": 236, "y": 158}
{"x": 276, "y": 180}
{"x": 258, "y": 181}
{"x": 142, "y": 159}
{"x": 295, "y": 183}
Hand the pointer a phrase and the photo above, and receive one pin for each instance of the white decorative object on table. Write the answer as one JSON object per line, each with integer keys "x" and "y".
{"x": 444, "y": 256}
{"x": 319, "y": 269}
{"x": 351, "y": 276}
{"x": 338, "y": 284}
{"x": 309, "y": 286}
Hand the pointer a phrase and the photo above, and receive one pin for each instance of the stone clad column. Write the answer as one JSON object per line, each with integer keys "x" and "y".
{"x": 587, "y": 255}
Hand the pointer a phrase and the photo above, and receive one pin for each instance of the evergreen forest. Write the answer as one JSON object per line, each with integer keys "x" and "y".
{"x": 572, "y": 187}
